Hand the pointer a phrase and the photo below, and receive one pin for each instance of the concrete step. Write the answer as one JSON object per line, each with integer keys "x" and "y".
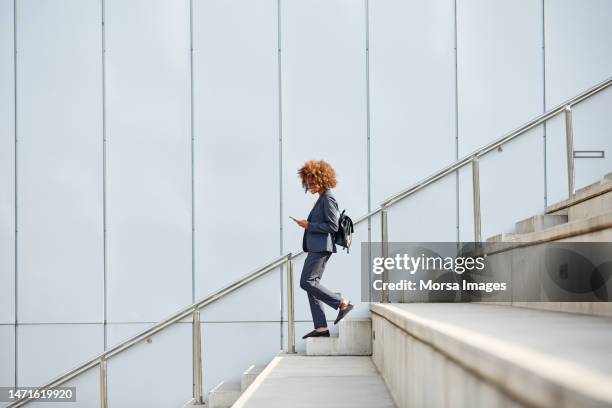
{"x": 224, "y": 395}
{"x": 597, "y": 228}
{"x": 483, "y": 356}
{"x": 503, "y": 237}
{"x": 249, "y": 375}
{"x": 588, "y": 202}
{"x": 323, "y": 346}
{"x": 354, "y": 339}
{"x": 584, "y": 194}
{"x": 595, "y": 205}
{"x": 298, "y": 381}
{"x": 593, "y": 229}
{"x": 539, "y": 222}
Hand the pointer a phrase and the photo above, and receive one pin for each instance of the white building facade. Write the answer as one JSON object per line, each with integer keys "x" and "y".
{"x": 149, "y": 149}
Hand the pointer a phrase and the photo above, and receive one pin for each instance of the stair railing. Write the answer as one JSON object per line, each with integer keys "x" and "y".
{"x": 287, "y": 259}
{"x": 473, "y": 159}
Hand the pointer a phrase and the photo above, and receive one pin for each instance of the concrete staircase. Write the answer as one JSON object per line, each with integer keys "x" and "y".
{"x": 587, "y": 214}
{"x": 459, "y": 355}
{"x": 492, "y": 354}
{"x": 585, "y": 217}
{"x": 338, "y": 367}
{"x": 354, "y": 338}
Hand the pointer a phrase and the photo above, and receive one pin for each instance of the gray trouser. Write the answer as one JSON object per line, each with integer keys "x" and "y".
{"x": 317, "y": 293}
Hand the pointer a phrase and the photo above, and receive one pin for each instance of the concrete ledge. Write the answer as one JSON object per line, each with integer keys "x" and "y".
{"x": 583, "y": 194}
{"x": 603, "y": 309}
{"x": 499, "y": 371}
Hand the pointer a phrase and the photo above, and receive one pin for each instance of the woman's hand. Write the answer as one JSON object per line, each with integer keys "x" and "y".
{"x": 302, "y": 223}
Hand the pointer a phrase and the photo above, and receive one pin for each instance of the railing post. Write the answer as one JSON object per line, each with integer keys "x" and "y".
{"x": 569, "y": 140}
{"x": 290, "y": 308}
{"x": 384, "y": 248}
{"x": 476, "y": 199}
{"x": 103, "y": 384}
{"x": 197, "y": 358}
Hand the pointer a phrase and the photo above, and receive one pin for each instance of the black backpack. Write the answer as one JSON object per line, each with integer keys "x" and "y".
{"x": 344, "y": 236}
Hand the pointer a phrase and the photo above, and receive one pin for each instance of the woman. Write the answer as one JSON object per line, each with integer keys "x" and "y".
{"x": 318, "y": 177}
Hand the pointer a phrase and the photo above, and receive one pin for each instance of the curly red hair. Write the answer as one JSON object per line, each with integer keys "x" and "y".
{"x": 317, "y": 174}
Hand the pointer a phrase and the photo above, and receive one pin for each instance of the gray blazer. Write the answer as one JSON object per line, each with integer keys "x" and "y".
{"x": 322, "y": 223}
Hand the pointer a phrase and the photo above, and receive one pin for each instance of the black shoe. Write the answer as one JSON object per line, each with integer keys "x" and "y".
{"x": 343, "y": 312}
{"x": 315, "y": 333}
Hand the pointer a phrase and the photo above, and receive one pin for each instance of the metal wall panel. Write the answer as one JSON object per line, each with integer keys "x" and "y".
{"x": 324, "y": 104}
{"x": 7, "y": 164}
{"x": 226, "y": 354}
{"x": 500, "y": 86}
{"x": 148, "y": 158}
{"x": 578, "y": 43}
{"x": 46, "y": 350}
{"x": 499, "y": 51}
{"x": 7, "y": 356}
{"x": 466, "y": 205}
{"x": 263, "y": 297}
{"x": 152, "y": 374}
{"x": 511, "y": 188}
{"x": 236, "y": 131}
{"x": 412, "y": 80}
{"x": 578, "y": 40}
{"x": 511, "y": 193}
{"x": 59, "y": 122}
{"x": 429, "y": 215}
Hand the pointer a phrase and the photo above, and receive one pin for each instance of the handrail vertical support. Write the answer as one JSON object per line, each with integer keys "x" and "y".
{"x": 569, "y": 139}
{"x": 197, "y": 358}
{"x": 290, "y": 308}
{"x": 476, "y": 199}
{"x": 103, "y": 384}
{"x": 384, "y": 248}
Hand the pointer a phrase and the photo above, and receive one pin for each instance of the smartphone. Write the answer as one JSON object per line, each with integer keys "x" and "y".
{"x": 294, "y": 219}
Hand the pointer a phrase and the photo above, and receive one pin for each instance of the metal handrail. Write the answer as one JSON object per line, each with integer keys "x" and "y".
{"x": 474, "y": 157}
{"x": 194, "y": 309}
{"x": 538, "y": 120}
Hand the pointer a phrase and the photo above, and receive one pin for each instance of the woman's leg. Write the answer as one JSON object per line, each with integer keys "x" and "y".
{"x": 317, "y": 293}
{"x": 318, "y": 315}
